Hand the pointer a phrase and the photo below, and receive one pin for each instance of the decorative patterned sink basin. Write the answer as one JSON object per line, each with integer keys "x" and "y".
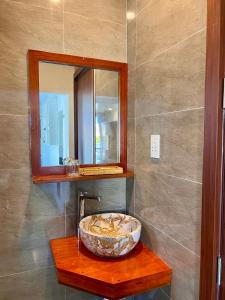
{"x": 110, "y": 234}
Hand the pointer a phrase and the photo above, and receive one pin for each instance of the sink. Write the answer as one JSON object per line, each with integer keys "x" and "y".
{"x": 110, "y": 234}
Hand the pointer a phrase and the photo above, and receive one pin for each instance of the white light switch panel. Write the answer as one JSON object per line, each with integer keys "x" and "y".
{"x": 155, "y": 146}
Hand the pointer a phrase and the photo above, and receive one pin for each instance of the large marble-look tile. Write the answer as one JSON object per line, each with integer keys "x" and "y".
{"x": 130, "y": 195}
{"x": 12, "y": 99}
{"x": 131, "y": 10}
{"x": 14, "y": 129}
{"x": 25, "y": 241}
{"x": 152, "y": 295}
{"x": 14, "y": 145}
{"x": 185, "y": 265}
{"x": 54, "y": 4}
{"x": 174, "y": 80}
{"x": 181, "y": 143}
{"x": 73, "y": 294}
{"x": 35, "y": 285}
{"x": 112, "y": 192}
{"x": 13, "y": 83}
{"x": 172, "y": 205}
{"x": 72, "y": 222}
{"x": 26, "y": 199}
{"x": 110, "y": 10}
{"x": 131, "y": 93}
{"x": 131, "y": 141}
{"x": 14, "y": 155}
{"x": 131, "y": 44}
{"x": 25, "y": 27}
{"x": 164, "y": 23}
{"x": 94, "y": 38}
{"x": 30, "y": 215}
{"x": 141, "y": 4}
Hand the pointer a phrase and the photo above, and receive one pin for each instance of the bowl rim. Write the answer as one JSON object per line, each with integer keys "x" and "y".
{"x": 138, "y": 229}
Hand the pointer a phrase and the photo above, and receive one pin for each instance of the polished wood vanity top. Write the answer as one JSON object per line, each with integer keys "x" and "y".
{"x": 65, "y": 177}
{"x": 113, "y": 278}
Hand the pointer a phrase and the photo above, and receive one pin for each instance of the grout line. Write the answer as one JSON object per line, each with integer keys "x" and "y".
{"x": 66, "y": 12}
{"x": 91, "y": 18}
{"x": 14, "y": 115}
{"x": 145, "y": 6}
{"x": 36, "y": 6}
{"x": 168, "y": 236}
{"x": 181, "y": 178}
{"x": 171, "y": 47}
{"x": 168, "y": 296}
{"x": 171, "y": 112}
{"x": 173, "y": 176}
{"x": 27, "y": 271}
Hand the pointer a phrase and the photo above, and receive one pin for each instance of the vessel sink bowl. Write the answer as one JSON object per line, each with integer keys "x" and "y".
{"x": 110, "y": 234}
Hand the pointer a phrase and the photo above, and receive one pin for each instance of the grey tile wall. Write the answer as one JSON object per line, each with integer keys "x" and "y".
{"x": 30, "y": 214}
{"x": 166, "y": 58}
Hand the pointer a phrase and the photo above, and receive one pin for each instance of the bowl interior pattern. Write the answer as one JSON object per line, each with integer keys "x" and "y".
{"x": 110, "y": 225}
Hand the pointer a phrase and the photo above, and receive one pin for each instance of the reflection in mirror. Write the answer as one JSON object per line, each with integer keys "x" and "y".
{"x": 79, "y": 114}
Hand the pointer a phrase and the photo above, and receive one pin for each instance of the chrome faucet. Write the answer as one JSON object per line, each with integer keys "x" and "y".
{"x": 82, "y": 196}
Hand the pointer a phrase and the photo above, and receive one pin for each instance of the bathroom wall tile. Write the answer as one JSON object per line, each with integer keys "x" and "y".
{"x": 185, "y": 265}
{"x": 25, "y": 27}
{"x": 174, "y": 80}
{"x": 131, "y": 93}
{"x": 14, "y": 155}
{"x": 142, "y": 4}
{"x": 35, "y": 285}
{"x": 131, "y": 10}
{"x": 72, "y": 222}
{"x": 26, "y": 199}
{"x": 181, "y": 143}
{"x": 13, "y": 81}
{"x": 25, "y": 241}
{"x": 110, "y": 10}
{"x": 130, "y": 195}
{"x": 158, "y": 29}
{"x": 12, "y": 101}
{"x": 112, "y": 192}
{"x": 73, "y": 294}
{"x": 30, "y": 215}
{"x": 131, "y": 44}
{"x": 13, "y": 129}
{"x": 131, "y": 141}
{"x": 94, "y": 38}
{"x": 172, "y": 205}
{"x": 14, "y": 182}
{"x": 152, "y": 295}
{"x": 58, "y": 4}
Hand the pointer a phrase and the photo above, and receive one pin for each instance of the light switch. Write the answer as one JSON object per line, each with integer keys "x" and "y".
{"x": 155, "y": 146}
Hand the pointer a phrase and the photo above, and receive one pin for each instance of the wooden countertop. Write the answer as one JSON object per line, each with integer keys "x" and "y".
{"x": 113, "y": 278}
{"x": 63, "y": 178}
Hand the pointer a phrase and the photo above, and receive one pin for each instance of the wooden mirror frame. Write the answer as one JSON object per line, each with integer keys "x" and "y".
{"x": 34, "y": 57}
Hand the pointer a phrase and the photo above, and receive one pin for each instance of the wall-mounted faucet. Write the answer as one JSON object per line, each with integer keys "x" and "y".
{"x": 82, "y": 197}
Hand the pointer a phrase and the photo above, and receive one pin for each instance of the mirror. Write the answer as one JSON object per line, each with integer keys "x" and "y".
{"x": 79, "y": 114}
{"x": 78, "y": 110}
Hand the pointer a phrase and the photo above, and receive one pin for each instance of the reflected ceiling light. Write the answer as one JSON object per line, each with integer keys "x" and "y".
{"x": 130, "y": 15}
{"x": 110, "y": 108}
{"x": 55, "y": 1}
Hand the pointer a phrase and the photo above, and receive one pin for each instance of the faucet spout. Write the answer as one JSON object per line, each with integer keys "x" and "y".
{"x": 82, "y": 197}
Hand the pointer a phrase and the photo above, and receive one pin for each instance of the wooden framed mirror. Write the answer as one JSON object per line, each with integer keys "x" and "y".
{"x": 78, "y": 108}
